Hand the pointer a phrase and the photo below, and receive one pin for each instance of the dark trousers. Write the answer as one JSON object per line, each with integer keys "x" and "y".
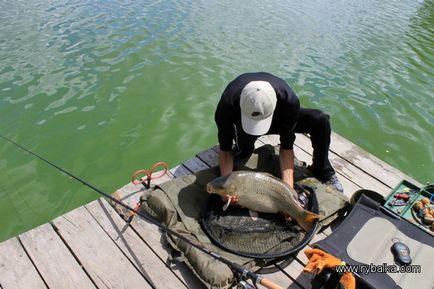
{"x": 310, "y": 121}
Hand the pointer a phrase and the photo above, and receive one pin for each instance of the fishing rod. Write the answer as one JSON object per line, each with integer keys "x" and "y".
{"x": 239, "y": 269}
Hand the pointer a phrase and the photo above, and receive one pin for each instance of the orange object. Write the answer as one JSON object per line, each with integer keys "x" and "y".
{"x": 402, "y": 196}
{"x": 320, "y": 260}
{"x": 425, "y": 201}
{"x": 149, "y": 174}
{"x": 133, "y": 212}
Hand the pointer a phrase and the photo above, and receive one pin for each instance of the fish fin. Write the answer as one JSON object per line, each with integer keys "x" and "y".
{"x": 254, "y": 215}
{"x": 307, "y": 222}
{"x": 225, "y": 207}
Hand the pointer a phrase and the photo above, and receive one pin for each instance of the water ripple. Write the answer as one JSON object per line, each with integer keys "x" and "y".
{"x": 122, "y": 83}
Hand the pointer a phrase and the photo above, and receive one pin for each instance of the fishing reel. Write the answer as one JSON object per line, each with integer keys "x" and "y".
{"x": 241, "y": 282}
{"x": 303, "y": 195}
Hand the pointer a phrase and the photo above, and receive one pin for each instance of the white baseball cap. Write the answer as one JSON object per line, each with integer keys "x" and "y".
{"x": 257, "y": 102}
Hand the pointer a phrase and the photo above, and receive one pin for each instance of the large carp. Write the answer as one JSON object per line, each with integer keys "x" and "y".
{"x": 263, "y": 193}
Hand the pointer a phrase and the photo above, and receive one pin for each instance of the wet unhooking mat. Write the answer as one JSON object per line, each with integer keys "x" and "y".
{"x": 178, "y": 204}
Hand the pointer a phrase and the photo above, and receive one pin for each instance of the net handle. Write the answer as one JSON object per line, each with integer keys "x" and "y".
{"x": 269, "y": 284}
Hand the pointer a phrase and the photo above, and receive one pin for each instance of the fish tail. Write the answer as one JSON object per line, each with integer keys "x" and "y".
{"x": 306, "y": 223}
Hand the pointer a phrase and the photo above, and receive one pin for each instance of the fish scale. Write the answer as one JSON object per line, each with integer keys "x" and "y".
{"x": 258, "y": 187}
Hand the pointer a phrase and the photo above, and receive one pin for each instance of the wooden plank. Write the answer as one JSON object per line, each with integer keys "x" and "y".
{"x": 295, "y": 271}
{"x": 272, "y": 139}
{"x": 179, "y": 171}
{"x": 368, "y": 162}
{"x": 101, "y": 258}
{"x": 329, "y": 229}
{"x": 301, "y": 257}
{"x": 347, "y": 169}
{"x": 139, "y": 254}
{"x": 53, "y": 259}
{"x": 210, "y": 156}
{"x": 16, "y": 269}
{"x": 195, "y": 165}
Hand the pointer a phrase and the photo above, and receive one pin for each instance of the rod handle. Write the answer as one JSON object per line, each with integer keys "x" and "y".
{"x": 269, "y": 284}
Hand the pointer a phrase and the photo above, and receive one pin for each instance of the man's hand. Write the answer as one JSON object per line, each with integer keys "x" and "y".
{"x": 226, "y": 162}
{"x": 286, "y": 160}
{"x": 287, "y": 178}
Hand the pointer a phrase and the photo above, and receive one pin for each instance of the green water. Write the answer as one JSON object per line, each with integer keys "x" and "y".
{"x": 104, "y": 88}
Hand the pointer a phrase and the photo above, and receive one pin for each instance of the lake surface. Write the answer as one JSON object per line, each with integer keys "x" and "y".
{"x": 104, "y": 88}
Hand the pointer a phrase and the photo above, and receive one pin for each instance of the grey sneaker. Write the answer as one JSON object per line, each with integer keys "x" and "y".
{"x": 334, "y": 181}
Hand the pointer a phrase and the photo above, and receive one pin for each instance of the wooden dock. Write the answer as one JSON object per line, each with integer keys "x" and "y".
{"x": 92, "y": 246}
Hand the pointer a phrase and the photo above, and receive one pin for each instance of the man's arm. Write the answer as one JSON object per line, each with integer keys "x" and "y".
{"x": 286, "y": 160}
{"x": 224, "y": 120}
{"x": 226, "y": 162}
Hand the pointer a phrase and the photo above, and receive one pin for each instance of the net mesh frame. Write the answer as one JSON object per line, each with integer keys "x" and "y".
{"x": 269, "y": 236}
